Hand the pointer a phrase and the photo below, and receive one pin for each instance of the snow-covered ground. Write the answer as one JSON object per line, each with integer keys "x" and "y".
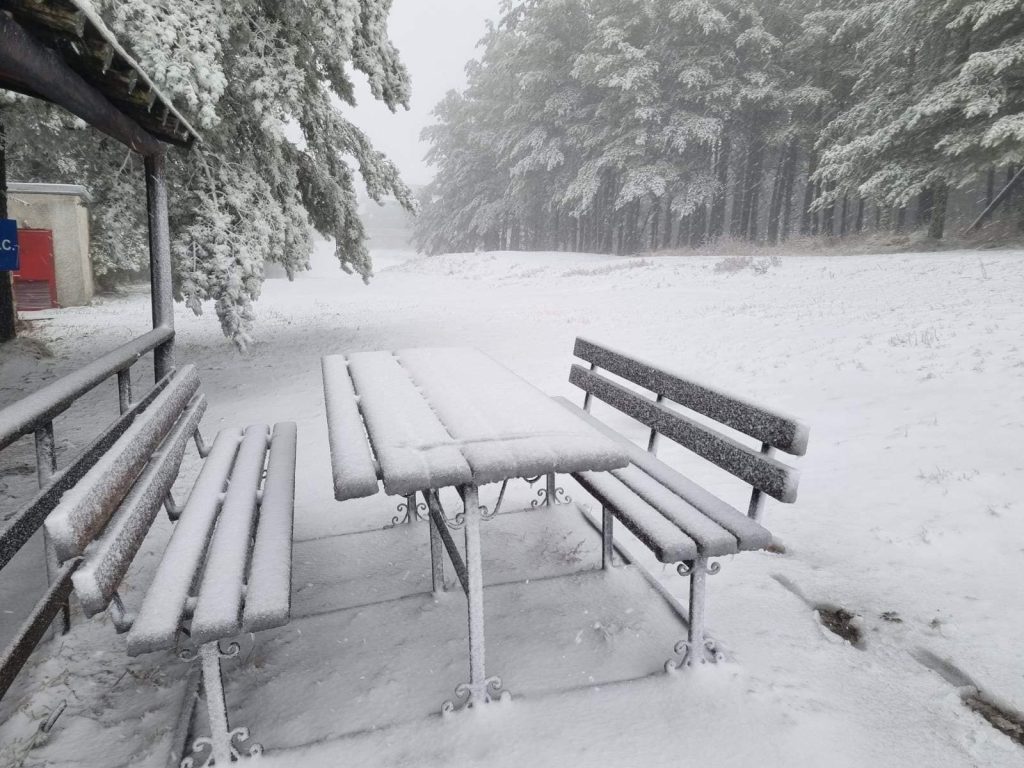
{"x": 908, "y": 368}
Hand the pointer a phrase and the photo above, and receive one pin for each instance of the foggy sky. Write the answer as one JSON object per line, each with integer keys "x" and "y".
{"x": 436, "y": 38}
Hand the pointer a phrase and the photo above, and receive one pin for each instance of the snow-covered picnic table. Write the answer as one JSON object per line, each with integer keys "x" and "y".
{"x": 450, "y": 417}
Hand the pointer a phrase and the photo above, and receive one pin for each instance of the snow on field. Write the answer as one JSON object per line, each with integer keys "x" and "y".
{"x": 909, "y": 370}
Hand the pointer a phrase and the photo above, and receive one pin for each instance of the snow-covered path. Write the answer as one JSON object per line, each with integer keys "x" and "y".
{"x": 909, "y": 370}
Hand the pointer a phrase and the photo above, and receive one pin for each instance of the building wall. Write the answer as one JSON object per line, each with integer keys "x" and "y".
{"x": 63, "y": 209}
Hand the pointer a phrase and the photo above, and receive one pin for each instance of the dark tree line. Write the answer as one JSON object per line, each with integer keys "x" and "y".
{"x": 627, "y": 125}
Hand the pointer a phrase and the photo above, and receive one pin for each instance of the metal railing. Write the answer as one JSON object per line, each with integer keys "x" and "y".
{"x": 34, "y": 414}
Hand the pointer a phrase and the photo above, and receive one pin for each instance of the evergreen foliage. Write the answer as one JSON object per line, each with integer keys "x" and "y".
{"x": 626, "y": 125}
{"x": 248, "y": 74}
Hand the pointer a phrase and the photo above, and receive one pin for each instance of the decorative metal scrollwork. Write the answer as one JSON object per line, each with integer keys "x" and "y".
{"x": 559, "y": 496}
{"x": 685, "y": 568}
{"x": 235, "y": 744}
{"x": 232, "y": 650}
{"x": 468, "y": 695}
{"x": 705, "y": 652}
{"x": 405, "y": 515}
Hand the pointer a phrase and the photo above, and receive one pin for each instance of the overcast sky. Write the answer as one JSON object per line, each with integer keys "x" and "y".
{"x": 436, "y": 38}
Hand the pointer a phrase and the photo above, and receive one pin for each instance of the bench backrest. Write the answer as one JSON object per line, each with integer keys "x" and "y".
{"x": 774, "y": 430}
{"x": 114, "y": 504}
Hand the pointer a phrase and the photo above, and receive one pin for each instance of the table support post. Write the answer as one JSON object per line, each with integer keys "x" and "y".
{"x": 477, "y": 674}
{"x": 480, "y": 689}
{"x": 607, "y": 537}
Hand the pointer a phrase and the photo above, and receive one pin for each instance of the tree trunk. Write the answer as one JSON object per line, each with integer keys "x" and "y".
{"x": 859, "y": 227}
{"x": 775, "y": 204}
{"x": 8, "y": 314}
{"x": 843, "y": 215}
{"x": 828, "y": 216}
{"x": 752, "y": 191}
{"x": 939, "y": 198}
{"x": 655, "y": 216}
{"x": 738, "y": 193}
{"x": 717, "y": 224}
{"x": 807, "y": 224}
{"x": 666, "y": 237}
{"x": 698, "y": 226}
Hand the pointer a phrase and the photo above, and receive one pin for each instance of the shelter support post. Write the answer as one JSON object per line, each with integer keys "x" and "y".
{"x": 161, "y": 285}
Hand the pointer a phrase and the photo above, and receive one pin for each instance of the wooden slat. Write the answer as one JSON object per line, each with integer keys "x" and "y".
{"x": 35, "y": 626}
{"x": 86, "y": 508}
{"x": 413, "y": 447}
{"x": 778, "y": 430}
{"x": 665, "y": 540}
{"x": 711, "y": 538}
{"x": 159, "y": 618}
{"x": 503, "y": 425}
{"x": 767, "y": 474}
{"x": 355, "y": 474}
{"x": 218, "y": 611}
{"x": 268, "y": 594}
{"x": 28, "y": 519}
{"x": 748, "y": 533}
{"x": 108, "y": 558}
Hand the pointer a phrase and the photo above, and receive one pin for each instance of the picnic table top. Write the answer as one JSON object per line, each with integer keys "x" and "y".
{"x": 439, "y": 417}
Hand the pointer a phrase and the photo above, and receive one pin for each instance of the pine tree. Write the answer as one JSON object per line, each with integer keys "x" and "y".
{"x": 250, "y": 75}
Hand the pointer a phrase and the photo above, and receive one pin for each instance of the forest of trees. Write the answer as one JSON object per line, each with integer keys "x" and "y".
{"x": 627, "y": 125}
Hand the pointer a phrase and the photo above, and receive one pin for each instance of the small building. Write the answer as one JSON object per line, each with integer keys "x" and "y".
{"x": 62, "y": 210}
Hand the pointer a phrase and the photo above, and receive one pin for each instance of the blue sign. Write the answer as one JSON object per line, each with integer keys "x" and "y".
{"x": 9, "y": 245}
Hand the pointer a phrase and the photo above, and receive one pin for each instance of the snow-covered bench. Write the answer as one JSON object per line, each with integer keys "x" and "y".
{"x": 226, "y": 568}
{"x": 677, "y": 519}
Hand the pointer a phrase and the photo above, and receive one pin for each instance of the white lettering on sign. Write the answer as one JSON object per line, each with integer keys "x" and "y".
{"x": 6, "y": 245}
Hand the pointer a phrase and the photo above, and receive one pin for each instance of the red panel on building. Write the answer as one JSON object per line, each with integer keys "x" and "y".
{"x": 35, "y": 284}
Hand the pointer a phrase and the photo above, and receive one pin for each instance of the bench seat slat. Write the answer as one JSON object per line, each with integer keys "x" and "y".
{"x": 762, "y": 472}
{"x": 712, "y": 539}
{"x": 86, "y": 508}
{"x": 156, "y": 625}
{"x": 107, "y": 559}
{"x": 268, "y": 593}
{"x": 748, "y": 533}
{"x": 355, "y": 475}
{"x": 665, "y": 540}
{"x": 218, "y": 611}
{"x": 778, "y": 430}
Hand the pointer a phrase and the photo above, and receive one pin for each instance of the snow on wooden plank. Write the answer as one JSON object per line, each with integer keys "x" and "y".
{"x": 665, "y": 540}
{"x": 778, "y": 480}
{"x": 779, "y": 430}
{"x": 269, "y": 590}
{"x": 218, "y": 611}
{"x": 504, "y": 426}
{"x": 355, "y": 475}
{"x": 159, "y": 618}
{"x": 748, "y": 533}
{"x": 108, "y": 557}
{"x": 86, "y": 508}
{"x": 414, "y": 449}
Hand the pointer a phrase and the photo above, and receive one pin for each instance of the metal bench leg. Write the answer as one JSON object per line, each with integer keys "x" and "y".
{"x": 607, "y": 537}
{"x": 697, "y": 647}
{"x": 224, "y": 744}
{"x": 480, "y": 689}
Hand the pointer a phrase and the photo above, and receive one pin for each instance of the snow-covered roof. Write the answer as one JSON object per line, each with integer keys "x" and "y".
{"x": 35, "y": 188}
{"x": 75, "y": 30}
